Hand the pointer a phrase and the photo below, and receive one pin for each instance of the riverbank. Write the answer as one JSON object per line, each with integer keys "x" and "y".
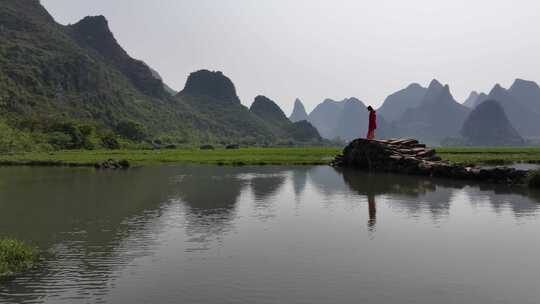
{"x": 490, "y": 155}
{"x": 254, "y": 156}
{"x": 15, "y": 257}
{"x": 242, "y": 156}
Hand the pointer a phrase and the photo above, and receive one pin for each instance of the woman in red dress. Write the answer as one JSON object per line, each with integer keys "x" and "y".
{"x": 372, "y": 123}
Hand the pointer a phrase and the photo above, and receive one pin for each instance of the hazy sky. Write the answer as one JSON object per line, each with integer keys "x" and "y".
{"x": 316, "y": 49}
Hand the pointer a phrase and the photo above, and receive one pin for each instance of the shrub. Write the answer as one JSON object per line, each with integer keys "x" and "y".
{"x": 534, "y": 179}
{"x": 15, "y": 256}
{"x": 14, "y": 140}
{"x": 59, "y": 140}
{"x": 70, "y": 135}
{"x": 109, "y": 141}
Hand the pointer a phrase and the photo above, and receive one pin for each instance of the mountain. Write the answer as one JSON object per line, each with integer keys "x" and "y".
{"x": 433, "y": 93}
{"x": 267, "y": 110}
{"x": 352, "y": 121}
{"x": 521, "y": 104}
{"x": 488, "y": 125}
{"x": 211, "y": 84}
{"x": 524, "y": 119}
{"x": 396, "y": 104}
{"x": 55, "y": 78}
{"x": 470, "y": 102}
{"x": 481, "y": 98}
{"x": 438, "y": 116}
{"x": 93, "y": 33}
{"x": 325, "y": 116}
{"x": 346, "y": 120}
{"x": 299, "y": 112}
{"x": 475, "y": 99}
{"x": 527, "y": 93}
{"x": 168, "y": 89}
{"x": 230, "y": 120}
{"x": 303, "y": 131}
{"x": 50, "y": 72}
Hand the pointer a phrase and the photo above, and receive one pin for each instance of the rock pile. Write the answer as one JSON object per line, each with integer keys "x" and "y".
{"x": 408, "y": 156}
{"x": 112, "y": 164}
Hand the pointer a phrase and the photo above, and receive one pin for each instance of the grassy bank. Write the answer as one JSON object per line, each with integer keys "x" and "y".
{"x": 15, "y": 256}
{"x": 256, "y": 156}
{"x": 245, "y": 156}
{"x": 490, "y": 155}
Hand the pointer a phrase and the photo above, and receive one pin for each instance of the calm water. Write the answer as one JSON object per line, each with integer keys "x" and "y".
{"x": 198, "y": 234}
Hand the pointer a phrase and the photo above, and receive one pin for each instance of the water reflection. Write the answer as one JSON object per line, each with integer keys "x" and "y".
{"x": 90, "y": 222}
{"x": 265, "y": 185}
{"x": 300, "y": 180}
{"x": 418, "y": 195}
{"x": 97, "y": 224}
{"x": 210, "y": 200}
{"x": 520, "y": 200}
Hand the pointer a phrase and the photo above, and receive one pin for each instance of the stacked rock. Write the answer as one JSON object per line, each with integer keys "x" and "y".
{"x": 408, "y": 156}
{"x": 112, "y": 164}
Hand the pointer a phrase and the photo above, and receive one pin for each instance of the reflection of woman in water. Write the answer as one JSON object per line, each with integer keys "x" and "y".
{"x": 372, "y": 205}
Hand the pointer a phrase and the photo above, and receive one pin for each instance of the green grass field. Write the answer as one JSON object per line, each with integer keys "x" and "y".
{"x": 246, "y": 156}
{"x": 490, "y": 155}
{"x": 264, "y": 156}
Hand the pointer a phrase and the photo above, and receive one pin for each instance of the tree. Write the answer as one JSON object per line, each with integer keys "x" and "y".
{"x": 131, "y": 130}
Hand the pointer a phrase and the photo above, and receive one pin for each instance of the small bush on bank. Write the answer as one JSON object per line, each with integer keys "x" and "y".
{"x": 13, "y": 140}
{"x": 15, "y": 256}
{"x": 110, "y": 141}
{"x": 534, "y": 179}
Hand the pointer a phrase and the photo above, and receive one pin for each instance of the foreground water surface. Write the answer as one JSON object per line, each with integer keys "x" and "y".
{"x": 203, "y": 234}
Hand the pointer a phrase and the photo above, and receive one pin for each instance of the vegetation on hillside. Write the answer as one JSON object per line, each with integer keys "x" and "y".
{"x": 79, "y": 77}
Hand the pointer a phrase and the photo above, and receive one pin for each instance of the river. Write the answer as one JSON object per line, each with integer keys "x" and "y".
{"x": 208, "y": 234}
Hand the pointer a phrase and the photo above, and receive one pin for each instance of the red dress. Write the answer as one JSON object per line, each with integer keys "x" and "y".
{"x": 372, "y": 125}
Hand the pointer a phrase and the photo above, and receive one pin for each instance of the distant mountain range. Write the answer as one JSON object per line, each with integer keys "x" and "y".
{"x": 433, "y": 115}
{"x": 430, "y": 114}
{"x": 437, "y": 116}
{"x": 341, "y": 120}
{"x": 521, "y": 103}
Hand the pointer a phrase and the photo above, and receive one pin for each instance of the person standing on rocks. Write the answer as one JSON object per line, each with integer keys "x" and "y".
{"x": 372, "y": 123}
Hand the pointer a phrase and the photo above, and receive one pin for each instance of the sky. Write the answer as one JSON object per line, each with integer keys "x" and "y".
{"x": 318, "y": 49}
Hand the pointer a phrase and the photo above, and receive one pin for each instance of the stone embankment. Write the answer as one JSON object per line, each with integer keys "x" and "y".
{"x": 408, "y": 156}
